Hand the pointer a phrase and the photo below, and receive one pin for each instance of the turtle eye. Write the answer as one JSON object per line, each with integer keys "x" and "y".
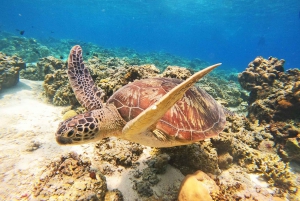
{"x": 70, "y": 133}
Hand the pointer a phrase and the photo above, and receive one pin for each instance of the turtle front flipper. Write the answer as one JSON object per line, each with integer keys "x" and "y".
{"x": 86, "y": 92}
{"x": 152, "y": 114}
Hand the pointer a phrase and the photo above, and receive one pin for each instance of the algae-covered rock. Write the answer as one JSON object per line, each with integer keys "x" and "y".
{"x": 9, "y": 70}
{"x": 58, "y": 90}
{"x": 28, "y": 49}
{"x": 143, "y": 188}
{"x": 118, "y": 152}
{"x": 274, "y": 94}
{"x": 113, "y": 195}
{"x": 198, "y": 156}
{"x": 292, "y": 149}
{"x": 225, "y": 160}
{"x": 176, "y": 72}
{"x": 46, "y": 65}
{"x": 70, "y": 178}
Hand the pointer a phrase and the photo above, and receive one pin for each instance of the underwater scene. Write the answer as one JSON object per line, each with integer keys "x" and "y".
{"x": 150, "y": 100}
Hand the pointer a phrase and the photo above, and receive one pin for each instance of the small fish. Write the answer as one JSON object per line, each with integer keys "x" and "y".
{"x": 36, "y": 51}
{"x": 22, "y": 32}
{"x": 261, "y": 41}
{"x": 51, "y": 31}
{"x": 88, "y": 53}
{"x": 61, "y": 57}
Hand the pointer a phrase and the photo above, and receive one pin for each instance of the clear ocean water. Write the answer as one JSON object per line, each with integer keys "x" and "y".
{"x": 254, "y": 155}
{"x": 229, "y": 31}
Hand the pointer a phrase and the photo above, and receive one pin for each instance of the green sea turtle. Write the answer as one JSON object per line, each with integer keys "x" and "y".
{"x": 156, "y": 112}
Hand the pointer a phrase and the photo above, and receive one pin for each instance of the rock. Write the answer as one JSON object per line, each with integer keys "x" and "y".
{"x": 274, "y": 94}
{"x": 197, "y": 187}
{"x": 114, "y": 195}
{"x": 149, "y": 174}
{"x": 159, "y": 163}
{"x": 9, "y": 70}
{"x": 225, "y": 160}
{"x": 69, "y": 178}
{"x": 143, "y": 188}
{"x": 177, "y": 72}
{"x": 190, "y": 158}
{"x": 118, "y": 152}
{"x": 292, "y": 148}
{"x": 32, "y": 146}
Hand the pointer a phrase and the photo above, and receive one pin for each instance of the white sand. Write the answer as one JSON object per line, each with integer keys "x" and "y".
{"x": 25, "y": 118}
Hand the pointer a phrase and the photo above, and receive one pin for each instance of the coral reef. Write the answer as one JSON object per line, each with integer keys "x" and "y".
{"x": 176, "y": 72}
{"x": 197, "y": 156}
{"x": 264, "y": 143}
{"x": 116, "y": 78}
{"x": 274, "y": 94}
{"x": 125, "y": 154}
{"x": 274, "y": 101}
{"x": 46, "y": 65}
{"x": 29, "y": 49}
{"x": 58, "y": 90}
{"x": 9, "y": 70}
{"x": 70, "y": 178}
{"x": 225, "y": 91}
{"x": 235, "y": 184}
{"x": 261, "y": 73}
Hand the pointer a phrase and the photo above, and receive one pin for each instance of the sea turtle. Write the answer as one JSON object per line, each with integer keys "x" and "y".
{"x": 156, "y": 112}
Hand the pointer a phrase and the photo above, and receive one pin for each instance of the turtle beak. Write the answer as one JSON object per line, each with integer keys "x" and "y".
{"x": 63, "y": 140}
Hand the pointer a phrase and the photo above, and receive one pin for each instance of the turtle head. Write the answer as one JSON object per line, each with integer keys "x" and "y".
{"x": 79, "y": 129}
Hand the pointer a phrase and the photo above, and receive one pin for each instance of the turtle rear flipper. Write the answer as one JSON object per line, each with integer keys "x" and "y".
{"x": 86, "y": 92}
{"x": 153, "y": 113}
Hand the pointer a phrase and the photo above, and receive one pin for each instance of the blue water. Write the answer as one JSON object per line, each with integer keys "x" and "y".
{"x": 233, "y": 32}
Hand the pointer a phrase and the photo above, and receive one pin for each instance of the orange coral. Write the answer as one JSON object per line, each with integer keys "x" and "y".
{"x": 285, "y": 104}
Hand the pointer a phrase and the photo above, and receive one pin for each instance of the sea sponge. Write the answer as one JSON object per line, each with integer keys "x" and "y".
{"x": 197, "y": 187}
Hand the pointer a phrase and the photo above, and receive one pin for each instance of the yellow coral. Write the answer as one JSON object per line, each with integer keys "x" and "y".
{"x": 104, "y": 80}
{"x": 69, "y": 114}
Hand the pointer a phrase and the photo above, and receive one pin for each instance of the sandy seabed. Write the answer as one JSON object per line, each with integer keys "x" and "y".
{"x": 27, "y": 123}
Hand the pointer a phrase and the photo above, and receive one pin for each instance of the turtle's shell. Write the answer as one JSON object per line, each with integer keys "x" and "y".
{"x": 196, "y": 116}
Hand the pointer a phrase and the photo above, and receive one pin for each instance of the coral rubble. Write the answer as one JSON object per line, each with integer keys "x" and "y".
{"x": 70, "y": 178}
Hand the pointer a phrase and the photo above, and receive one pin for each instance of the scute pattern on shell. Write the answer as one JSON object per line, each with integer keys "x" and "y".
{"x": 196, "y": 116}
